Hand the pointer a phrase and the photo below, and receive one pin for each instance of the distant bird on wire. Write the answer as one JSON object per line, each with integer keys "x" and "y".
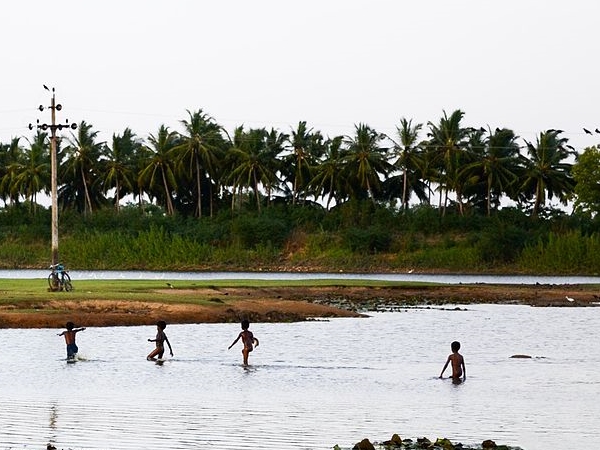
{"x": 587, "y": 131}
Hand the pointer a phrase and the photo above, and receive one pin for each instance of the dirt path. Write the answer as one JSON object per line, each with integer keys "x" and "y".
{"x": 283, "y": 304}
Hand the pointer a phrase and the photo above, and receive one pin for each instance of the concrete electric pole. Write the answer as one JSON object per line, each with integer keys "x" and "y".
{"x": 53, "y": 126}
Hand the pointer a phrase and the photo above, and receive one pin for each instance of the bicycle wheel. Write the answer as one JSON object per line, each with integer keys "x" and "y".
{"x": 67, "y": 282}
{"x": 53, "y": 282}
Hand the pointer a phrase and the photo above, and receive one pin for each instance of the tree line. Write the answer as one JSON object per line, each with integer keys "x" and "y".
{"x": 204, "y": 169}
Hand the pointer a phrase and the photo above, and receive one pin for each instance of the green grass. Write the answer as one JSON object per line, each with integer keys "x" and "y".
{"x": 36, "y": 290}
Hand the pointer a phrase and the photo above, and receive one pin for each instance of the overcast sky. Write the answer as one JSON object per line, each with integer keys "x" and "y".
{"x": 522, "y": 64}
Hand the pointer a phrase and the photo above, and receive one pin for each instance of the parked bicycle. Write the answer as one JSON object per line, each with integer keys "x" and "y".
{"x": 59, "y": 279}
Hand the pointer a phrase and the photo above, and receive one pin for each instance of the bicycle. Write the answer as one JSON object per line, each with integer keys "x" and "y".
{"x": 59, "y": 279}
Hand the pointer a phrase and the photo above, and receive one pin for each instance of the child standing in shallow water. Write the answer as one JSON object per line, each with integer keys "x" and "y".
{"x": 69, "y": 335}
{"x": 248, "y": 340}
{"x": 160, "y": 340}
{"x": 458, "y": 364}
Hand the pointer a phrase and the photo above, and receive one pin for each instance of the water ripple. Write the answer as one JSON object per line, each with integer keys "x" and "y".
{"x": 311, "y": 385}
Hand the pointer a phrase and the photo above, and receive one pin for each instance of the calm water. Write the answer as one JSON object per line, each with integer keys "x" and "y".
{"x": 423, "y": 277}
{"x": 311, "y": 385}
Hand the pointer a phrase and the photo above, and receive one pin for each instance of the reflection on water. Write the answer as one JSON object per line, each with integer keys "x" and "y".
{"x": 311, "y": 385}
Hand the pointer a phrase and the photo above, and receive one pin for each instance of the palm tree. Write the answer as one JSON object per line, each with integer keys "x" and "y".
{"x": 32, "y": 174}
{"x": 81, "y": 169}
{"x": 119, "y": 169}
{"x": 409, "y": 160}
{"x": 328, "y": 174}
{"x": 253, "y": 159}
{"x": 546, "y": 172}
{"x": 366, "y": 161}
{"x": 142, "y": 159}
{"x": 272, "y": 165}
{"x": 307, "y": 147}
{"x": 448, "y": 143}
{"x": 11, "y": 157}
{"x": 429, "y": 171}
{"x": 498, "y": 165}
{"x": 199, "y": 151}
{"x": 159, "y": 173}
{"x": 473, "y": 188}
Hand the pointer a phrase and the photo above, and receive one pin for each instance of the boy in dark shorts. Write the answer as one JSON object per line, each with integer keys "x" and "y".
{"x": 69, "y": 335}
{"x": 160, "y": 340}
{"x": 248, "y": 340}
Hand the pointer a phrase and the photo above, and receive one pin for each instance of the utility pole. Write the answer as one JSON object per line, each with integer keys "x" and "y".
{"x": 53, "y": 166}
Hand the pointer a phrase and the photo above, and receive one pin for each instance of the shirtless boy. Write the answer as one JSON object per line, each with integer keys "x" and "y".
{"x": 69, "y": 335}
{"x": 248, "y": 340}
{"x": 160, "y": 340}
{"x": 458, "y": 363}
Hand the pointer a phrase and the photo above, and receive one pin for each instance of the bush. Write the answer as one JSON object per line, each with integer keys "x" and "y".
{"x": 370, "y": 240}
{"x": 253, "y": 231}
{"x": 356, "y": 236}
{"x": 423, "y": 219}
{"x": 501, "y": 244}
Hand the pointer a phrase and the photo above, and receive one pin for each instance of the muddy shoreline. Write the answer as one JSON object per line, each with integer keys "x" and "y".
{"x": 284, "y": 304}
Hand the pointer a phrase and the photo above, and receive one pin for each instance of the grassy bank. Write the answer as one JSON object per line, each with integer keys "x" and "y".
{"x": 165, "y": 291}
{"x": 28, "y": 303}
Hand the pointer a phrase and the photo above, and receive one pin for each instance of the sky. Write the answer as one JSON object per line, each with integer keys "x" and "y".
{"x": 528, "y": 65}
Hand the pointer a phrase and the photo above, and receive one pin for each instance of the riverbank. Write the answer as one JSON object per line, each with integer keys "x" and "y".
{"x": 125, "y": 304}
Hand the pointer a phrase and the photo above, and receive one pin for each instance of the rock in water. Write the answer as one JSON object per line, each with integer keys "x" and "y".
{"x": 444, "y": 443}
{"x": 365, "y": 444}
{"x": 395, "y": 441}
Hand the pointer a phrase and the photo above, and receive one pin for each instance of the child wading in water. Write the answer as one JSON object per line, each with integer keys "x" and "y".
{"x": 458, "y": 364}
{"x": 69, "y": 335}
{"x": 248, "y": 340}
{"x": 160, "y": 340}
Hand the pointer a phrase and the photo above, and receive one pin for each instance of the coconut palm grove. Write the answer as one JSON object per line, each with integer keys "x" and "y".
{"x": 435, "y": 196}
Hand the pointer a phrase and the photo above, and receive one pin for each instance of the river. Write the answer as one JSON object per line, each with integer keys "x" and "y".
{"x": 310, "y": 385}
{"x": 422, "y": 277}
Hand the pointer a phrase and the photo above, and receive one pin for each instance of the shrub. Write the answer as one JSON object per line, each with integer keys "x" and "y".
{"x": 252, "y": 231}
{"x": 370, "y": 240}
{"x": 501, "y": 244}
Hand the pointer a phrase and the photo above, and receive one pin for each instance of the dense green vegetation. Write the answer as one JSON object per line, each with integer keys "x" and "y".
{"x": 353, "y": 237}
{"x": 266, "y": 200}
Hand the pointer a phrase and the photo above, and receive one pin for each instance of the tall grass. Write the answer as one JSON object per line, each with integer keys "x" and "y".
{"x": 156, "y": 249}
{"x": 14, "y": 254}
{"x": 452, "y": 259}
{"x": 570, "y": 253}
{"x": 354, "y": 237}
